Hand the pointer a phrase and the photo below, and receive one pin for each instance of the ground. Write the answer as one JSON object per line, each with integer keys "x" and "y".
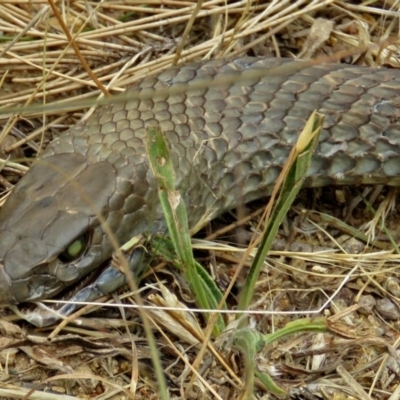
{"x": 331, "y": 242}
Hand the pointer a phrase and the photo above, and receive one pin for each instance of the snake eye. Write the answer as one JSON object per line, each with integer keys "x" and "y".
{"x": 75, "y": 249}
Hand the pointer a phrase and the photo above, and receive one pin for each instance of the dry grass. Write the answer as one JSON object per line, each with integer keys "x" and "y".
{"x": 122, "y": 41}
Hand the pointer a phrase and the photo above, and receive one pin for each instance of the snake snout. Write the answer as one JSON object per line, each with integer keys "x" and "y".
{"x": 22, "y": 281}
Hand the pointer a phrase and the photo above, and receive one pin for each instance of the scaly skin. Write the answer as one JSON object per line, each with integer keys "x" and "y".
{"x": 228, "y": 143}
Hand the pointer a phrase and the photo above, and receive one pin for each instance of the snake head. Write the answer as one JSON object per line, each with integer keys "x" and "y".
{"x": 50, "y": 233}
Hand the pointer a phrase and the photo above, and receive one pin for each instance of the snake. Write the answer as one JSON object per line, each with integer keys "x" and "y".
{"x": 228, "y": 144}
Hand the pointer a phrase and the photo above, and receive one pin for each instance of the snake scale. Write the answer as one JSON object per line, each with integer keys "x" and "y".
{"x": 228, "y": 144}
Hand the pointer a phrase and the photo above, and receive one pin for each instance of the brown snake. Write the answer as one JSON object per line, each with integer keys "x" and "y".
{"x": 228, "y": 142}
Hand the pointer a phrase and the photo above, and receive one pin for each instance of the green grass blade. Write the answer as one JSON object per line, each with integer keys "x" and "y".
{"x": 250, "y": 342}
{"x": 163, "y": 246}
{"x": 204, "y": 288}
{"x": 293, "y": 177}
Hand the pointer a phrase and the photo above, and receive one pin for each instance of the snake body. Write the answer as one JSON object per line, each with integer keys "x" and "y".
{"x": 228, "y": 144}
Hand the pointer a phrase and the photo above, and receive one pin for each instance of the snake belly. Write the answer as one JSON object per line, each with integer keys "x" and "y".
{"x": 228, "y": 143}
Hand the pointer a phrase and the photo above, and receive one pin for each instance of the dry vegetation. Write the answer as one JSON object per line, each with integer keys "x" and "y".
{"x": 106, "y": 356}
